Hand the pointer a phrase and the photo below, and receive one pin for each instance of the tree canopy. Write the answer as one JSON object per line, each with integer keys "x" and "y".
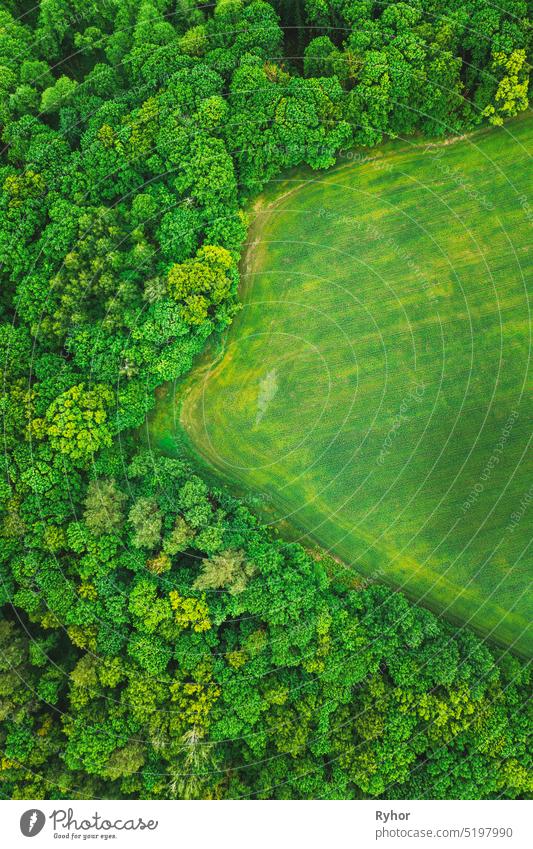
{"x": 156, "y": 640}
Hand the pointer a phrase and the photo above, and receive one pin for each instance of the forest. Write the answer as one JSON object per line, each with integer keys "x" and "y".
{"x": 158, "y": 641}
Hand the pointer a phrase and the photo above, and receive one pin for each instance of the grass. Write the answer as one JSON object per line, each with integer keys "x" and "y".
{"x": 374, "y": 391}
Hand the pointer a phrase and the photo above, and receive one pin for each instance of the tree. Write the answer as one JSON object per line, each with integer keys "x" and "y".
{"x": 179, "y": 538}
{"x": 76, "y": 422}
{"x": 228, "y": 570}
{"x": 104, "y": 505}
{"x": 60, "y": 94}
{"x": 147, "y": 521}
{"x": 317, "y": 57}
{"x": 194, "y": 41}
{"x": 511, "y": 95}
{"x": 202, "y": 282}
{"x": 179, "y": 233}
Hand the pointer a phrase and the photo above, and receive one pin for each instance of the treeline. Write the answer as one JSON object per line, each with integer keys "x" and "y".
{"x": 156, "y": 640}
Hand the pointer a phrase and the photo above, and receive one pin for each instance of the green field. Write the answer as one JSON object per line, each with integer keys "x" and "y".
{"x": 374, "y": 391}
